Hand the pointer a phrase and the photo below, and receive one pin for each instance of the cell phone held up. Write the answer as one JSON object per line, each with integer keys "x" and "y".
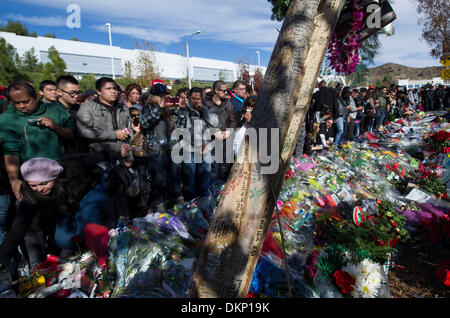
{"x": 34, "y": 122}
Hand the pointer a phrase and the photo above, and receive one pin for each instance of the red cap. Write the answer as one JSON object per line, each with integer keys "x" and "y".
{"x": 371, "y": 87}
{"x": 158, "y": 81}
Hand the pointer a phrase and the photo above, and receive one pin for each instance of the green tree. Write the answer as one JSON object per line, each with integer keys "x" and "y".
{"x": 244, "y": 73}
{"x": 222, "y": 76}
{"x": 50, "y": 35}
{"x": 87, "y": 82}
{"x": 434, "y": 17}
{"x": 56, "y": 67}
{"x": 146, "y": 68}
{"x": 279, "y": 9}
{"x": 127, "y": 77}
{"x": 125, "y": 81}
{"x": 15, "y": 27}
{"x": 359, "y": 77}
{"x": 8, "y": 67}
{"x": 258, "y": 78}
{"x": 29, "y": 62}
{"x": 386, "y": 81}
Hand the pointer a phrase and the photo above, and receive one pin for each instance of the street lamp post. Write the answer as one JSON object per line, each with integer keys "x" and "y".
{"x": 259, "y": 58}
{"x": 110, "y": 50}
{"x": 188, "y": 59}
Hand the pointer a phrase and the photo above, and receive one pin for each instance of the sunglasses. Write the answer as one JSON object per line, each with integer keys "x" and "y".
{"x": 222, "y": 90}
{"x": 72, "y": 94}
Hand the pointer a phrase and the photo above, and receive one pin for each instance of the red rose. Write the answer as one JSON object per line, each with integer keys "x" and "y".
{"x": 441, "y": 135}
{"x": 446, "y": 150}
{"x": 345, "y": 281}
{"x": 289, "y": 174}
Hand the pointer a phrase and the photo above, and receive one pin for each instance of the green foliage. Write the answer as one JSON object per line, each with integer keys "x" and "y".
{"x": 386, "y": 81}
{"x": 87, "y": 82}
{"x": 50, "y": 35}
{"x": 331, "y": 261}
{"x": 184, "y": 83}
{"x": 370, "y": 49}
{"x": 15, "y": 27}
{"x": 359, "y": 76}
{"x": 8, "y": 68}
{"x": 365, "y": 241}
{"x": 125, "y": 81}
{"x": 56, "y": 67}
{"x": 29, "y": 62}
{"x": 279, "y": 9}
{"x": 432, "y": 184}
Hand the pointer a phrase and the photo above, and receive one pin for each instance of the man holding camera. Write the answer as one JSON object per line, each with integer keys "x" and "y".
{"x": 103, "y": 122}
{"x": 31, "y": 129}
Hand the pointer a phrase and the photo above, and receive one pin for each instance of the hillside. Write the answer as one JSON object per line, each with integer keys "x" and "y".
{"x": 403, "y": 72}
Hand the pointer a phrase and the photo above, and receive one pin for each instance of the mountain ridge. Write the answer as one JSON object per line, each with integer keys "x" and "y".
{"x": 398, "y": 71}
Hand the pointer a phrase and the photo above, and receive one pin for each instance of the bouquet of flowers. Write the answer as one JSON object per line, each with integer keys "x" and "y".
{"x": 440, "y": 141}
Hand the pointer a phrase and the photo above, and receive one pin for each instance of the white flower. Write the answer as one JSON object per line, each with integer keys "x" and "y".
{"x": 86, "y": 257}
{"x": 366, "y": 290}
{"x": 367, "y": 277}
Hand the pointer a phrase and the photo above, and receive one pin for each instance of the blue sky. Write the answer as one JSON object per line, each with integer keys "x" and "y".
{"x": 230, "y": 29}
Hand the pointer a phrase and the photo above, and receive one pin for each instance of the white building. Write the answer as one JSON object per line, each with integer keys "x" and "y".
{"x": 90, "y": 58}
{"x": 411, "y": 84}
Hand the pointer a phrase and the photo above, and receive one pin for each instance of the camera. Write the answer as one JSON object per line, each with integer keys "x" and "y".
{"x": 34, "y": 122}
{"x": 174, "y": 100}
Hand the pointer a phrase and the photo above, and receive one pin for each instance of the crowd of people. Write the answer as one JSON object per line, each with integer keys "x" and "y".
{"x": 105, "y": 156}
{"x": 340, "y": 114}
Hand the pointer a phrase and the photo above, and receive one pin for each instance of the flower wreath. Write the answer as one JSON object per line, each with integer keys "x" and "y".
{"x": 343, "y": 53}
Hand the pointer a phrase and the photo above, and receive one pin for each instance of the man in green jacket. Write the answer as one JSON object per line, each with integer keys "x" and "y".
{"x": 31, "y": 129}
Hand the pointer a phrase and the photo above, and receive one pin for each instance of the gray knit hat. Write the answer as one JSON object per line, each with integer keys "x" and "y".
{"x": 40, "y": 170}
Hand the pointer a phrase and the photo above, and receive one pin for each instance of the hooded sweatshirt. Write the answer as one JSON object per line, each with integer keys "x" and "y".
{"x": 25, "y": 140}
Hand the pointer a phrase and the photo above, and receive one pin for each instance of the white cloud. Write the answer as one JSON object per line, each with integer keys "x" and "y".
{"x": 140, "y": 33}
{"x": 405, "y": 46}
{"x": 52, "y": 21}
{"x": 240, "y": 22}
{"x": 245, "y": 24}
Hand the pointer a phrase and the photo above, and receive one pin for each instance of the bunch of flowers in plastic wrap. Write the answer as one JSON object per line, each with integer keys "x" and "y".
{"x": 151, "y": 259}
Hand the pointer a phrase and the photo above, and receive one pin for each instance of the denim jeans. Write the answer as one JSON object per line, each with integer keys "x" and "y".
{"x": 158, "y": 166}
{"x": 340, "y": 130}
{"x": 381, "y": 115}
{"x": 368, "y": 123}
{"x": 196, "y": 177}
{"x": 5, "y": 201}
{"x": 351, "y": 129}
